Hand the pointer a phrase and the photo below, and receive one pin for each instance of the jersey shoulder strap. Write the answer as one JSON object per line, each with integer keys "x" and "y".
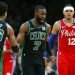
{"x": 30, "y": 22}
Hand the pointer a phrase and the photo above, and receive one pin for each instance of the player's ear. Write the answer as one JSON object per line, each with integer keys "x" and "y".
{"x": 73, "y": 12}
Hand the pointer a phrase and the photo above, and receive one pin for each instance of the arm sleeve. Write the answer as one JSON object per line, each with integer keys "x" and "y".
{"x": 51, "y": 40}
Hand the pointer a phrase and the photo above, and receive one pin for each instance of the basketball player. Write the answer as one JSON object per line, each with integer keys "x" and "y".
{"x": 9, "y": 59}
{"x": 35, "y": 33}
{"x": 65, "y": 28}
{"x": 6, "y": 31}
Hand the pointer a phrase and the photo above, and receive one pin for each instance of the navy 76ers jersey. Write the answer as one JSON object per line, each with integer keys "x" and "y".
{"x": 3, "y": 33}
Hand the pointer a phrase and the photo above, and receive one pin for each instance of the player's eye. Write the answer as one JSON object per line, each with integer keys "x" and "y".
{"x": 68, "y": 10}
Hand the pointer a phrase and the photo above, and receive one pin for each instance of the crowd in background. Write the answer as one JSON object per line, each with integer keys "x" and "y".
{"x": 21, "y": 11}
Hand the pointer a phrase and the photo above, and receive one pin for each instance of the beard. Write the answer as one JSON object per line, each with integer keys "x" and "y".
{"x": 39, "y": 20}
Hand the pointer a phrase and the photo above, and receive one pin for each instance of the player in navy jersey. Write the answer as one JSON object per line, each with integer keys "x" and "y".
{"x": 5, "y": 31}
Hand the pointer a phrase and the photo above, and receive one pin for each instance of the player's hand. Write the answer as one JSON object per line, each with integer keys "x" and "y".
{"x": 53, "y": 59}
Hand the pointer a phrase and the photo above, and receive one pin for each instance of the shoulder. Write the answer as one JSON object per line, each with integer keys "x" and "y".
{"x": 8, "y": 26}
{"x": 48, "y": 25}
{"x": 74, "y": 20}
{"x": 9, "y": 29}
{"x": 56, "y": 27}
{"x": 24, "y": 26}
{"x": 56, "y": 24}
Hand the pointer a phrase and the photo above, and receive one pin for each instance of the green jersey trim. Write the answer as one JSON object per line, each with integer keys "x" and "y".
{"x": 28, "y": 28}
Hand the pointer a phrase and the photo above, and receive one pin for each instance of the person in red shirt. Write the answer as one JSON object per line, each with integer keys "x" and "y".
{"x": 65, "y": 28}
{"x": 9, "y": 61}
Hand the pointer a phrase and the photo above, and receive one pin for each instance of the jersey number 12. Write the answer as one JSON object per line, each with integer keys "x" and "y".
{"x": 71, "y": 41}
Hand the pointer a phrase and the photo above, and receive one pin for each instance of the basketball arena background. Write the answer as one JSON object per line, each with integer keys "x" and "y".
{"x": 22, "y": 10}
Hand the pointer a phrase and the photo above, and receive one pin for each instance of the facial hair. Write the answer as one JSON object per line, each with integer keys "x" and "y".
{"x": 40, "y": 21}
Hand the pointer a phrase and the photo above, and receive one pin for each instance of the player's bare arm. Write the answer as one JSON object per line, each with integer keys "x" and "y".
{"x": 49, "y": 30}
{"x": 12, "y": 39}
{"x": 53, "y": 35}
{"x": 56, "y": 27}
{"x": 23, "y": 29}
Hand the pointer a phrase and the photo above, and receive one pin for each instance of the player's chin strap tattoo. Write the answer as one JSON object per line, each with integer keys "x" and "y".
{"x": 15, "y": 48}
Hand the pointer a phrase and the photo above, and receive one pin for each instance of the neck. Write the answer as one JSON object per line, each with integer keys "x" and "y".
{"x": 36, "y": 22}
{"x": 68, "y": 20}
